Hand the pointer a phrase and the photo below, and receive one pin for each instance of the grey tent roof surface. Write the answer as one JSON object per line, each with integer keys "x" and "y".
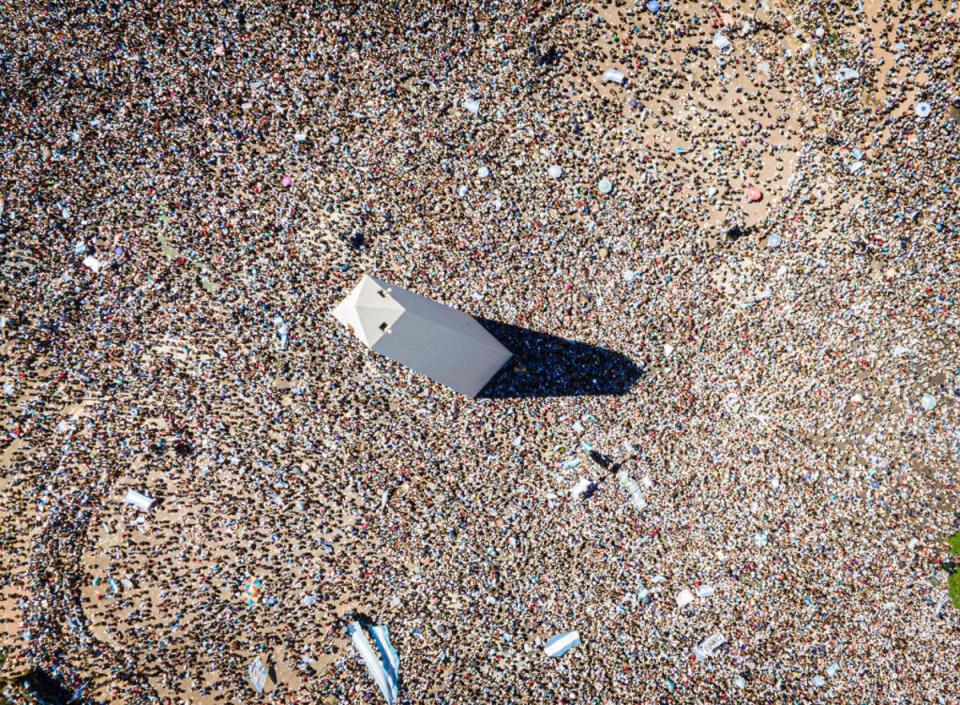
{"x": 450, "y": 318}
{"x": 441, "y": 342}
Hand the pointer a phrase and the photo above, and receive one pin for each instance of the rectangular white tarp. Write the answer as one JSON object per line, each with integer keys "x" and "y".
{"x": 384, "y": 670}
{"x": 138, "y": 500}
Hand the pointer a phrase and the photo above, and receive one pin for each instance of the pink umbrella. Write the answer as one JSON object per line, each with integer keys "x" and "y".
{"x": 754, "y": 194}
{"x": 287, "y": 181}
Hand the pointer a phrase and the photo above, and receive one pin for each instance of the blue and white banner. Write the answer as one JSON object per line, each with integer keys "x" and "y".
{"x": 560, "y": 644}
{"x": 384, "y": 667}
{"x": 258, "y": 675}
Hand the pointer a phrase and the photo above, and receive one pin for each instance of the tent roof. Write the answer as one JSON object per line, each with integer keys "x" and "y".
{"x": 368, "y": 310}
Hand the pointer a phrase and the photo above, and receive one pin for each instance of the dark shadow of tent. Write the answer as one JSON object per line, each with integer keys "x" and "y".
{"x": 545, "y": 365}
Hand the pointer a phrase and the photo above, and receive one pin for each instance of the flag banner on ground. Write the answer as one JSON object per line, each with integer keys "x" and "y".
{"x": 706, "y": 647}
{"x": 258, "y": 675}
{"x": 560, "y": 644}
{"x": 383, "y": 667}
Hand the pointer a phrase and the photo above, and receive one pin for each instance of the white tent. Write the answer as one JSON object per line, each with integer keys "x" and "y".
{"x": 138, "y": 500}
{"x": 445, "y": 344}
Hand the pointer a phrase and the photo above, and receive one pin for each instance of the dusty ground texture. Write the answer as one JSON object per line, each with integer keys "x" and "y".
{"x": 236, "y": 166}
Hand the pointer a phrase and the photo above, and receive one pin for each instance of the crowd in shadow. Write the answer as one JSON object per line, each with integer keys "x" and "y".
{"x": 545, "y": 365}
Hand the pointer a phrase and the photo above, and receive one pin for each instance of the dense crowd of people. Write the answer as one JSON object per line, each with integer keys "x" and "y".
{"x": 745, "y": 339}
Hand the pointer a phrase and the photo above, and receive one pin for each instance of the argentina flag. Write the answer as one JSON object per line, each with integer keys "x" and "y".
{"x": 560, "y": 644}
{"x": 383, "y": 666}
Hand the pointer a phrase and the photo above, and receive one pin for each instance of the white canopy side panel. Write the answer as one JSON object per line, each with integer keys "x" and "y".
{"x": 465, "y": 364}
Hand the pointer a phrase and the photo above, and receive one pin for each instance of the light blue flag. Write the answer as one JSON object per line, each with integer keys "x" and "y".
{"x": 384, "y": 667}
{"x": 560, "y": 644}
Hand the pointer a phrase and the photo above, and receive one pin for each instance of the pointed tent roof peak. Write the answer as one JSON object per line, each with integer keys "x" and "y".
{"x": 369, "y": 310}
